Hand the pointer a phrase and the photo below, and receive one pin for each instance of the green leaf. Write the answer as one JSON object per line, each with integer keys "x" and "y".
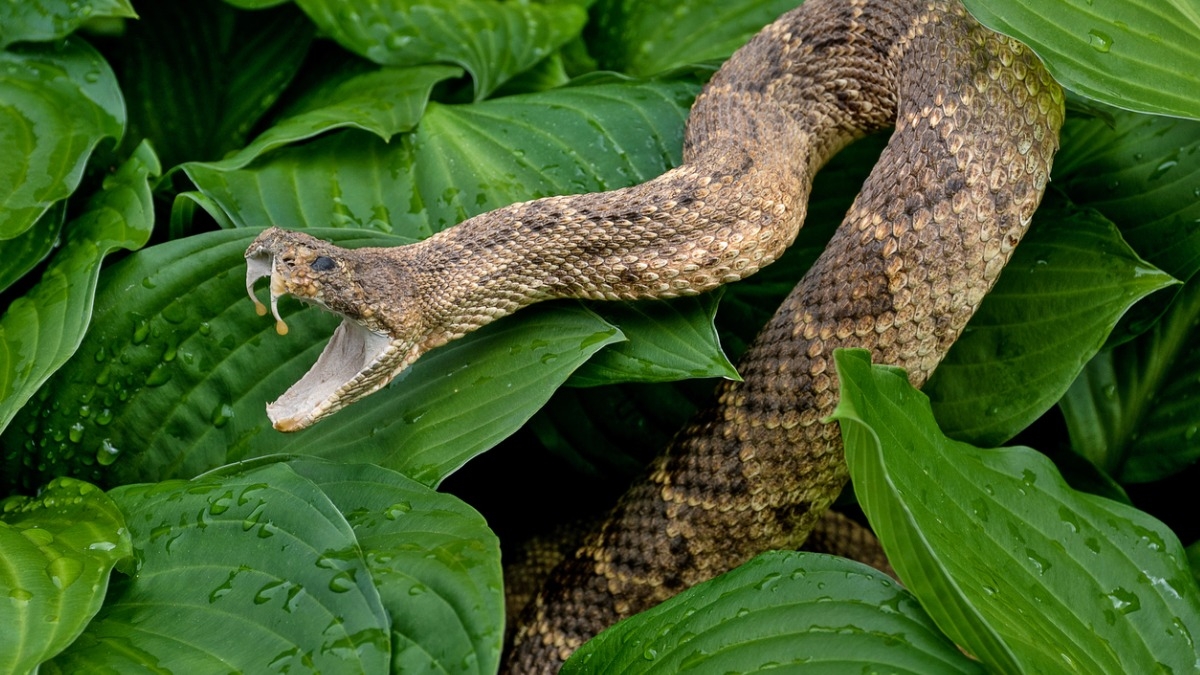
{"x": 1133, "y": 54}
{"x": 56, "y": 552}
{"x": 1132, "y": 411}
{"x": 665, "y": 342}
{"x": 1052, "y": 579}
{"x": 385, "y": 102}
{"x": 54, "y": 19}
{"x": 174, "y": 377}
{"x": 59, "y": 101}
{"x": 26, "y": 251}
{"x": 434, "y": 560}
{"x": 1141, "y": 171}
{"x": 647, "y": 37}
{"x": 1056, "y": 302}
{"x": 789, "y": 610}
{"x": 461, "y": 161}
{"x": 254, "y": 573}
{"x": 43, "y": 328}
{"x": 493, "y": 41}
{"x": 237, "y": 64}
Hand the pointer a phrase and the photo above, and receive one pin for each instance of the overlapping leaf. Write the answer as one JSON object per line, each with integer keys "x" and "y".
{"x": 1133, "y": 54}
{"x": 1067, "y": 285}
{"x": 25, "y": 251}
{"x": 434, "y": 560}
{"x": 803, "y": 611}
{"x": 56, "y": 552}
{"x": 384, "y": 102}
{"x": 1132, "y": 412}
{"x": 54, "y": 19}
{"x": 1052, "y": 580}
{"x": 666, "y": 341}
{"x": 492, "y": 40}
{"x": 462, "y": 160}
{"x": 174, "y": 376}
{"x": 60, "y": 100}
{"x": 43, "y": 328}
{"x": 257, "y": 572}
{"x": 1143, "y": 173}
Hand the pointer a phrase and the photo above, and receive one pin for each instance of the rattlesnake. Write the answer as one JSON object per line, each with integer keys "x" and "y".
{"x": 976, "y": 121}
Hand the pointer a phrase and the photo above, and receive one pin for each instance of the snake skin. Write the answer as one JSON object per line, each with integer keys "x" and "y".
{"x": 976, "y": 120}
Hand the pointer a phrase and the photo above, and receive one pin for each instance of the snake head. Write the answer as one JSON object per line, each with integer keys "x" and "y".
{"x": 364, "y": 353}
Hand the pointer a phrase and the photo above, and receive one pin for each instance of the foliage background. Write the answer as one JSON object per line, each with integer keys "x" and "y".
{"x": 177, "y": 130}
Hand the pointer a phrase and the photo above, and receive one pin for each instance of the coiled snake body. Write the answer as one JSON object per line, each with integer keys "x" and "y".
{"x": 976, "y": 125}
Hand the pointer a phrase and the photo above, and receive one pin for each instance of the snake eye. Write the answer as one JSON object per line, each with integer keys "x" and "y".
{"x": 323, "y": 263}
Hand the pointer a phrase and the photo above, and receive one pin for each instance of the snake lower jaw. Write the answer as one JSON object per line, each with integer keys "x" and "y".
{"x": 356, "y": 362}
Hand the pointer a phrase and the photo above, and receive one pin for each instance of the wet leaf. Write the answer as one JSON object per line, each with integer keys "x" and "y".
{"x": 665, "y": 342}
{"x": 1133, "y": 54}
{"x": 60, "y": 100}
{"x": 56, "y": 552}
{"x": 43, "y": 328}
{"x": 647, "y": 37}
{"x": 797, "y": 610}
{"x": 1056, "y": 302}
{"x": 493, "y": 41}
{"x": 1132, "y": 411}
{"x": 1052, "y": 580}
{"x": 54, "y": 19}
{"x": 255, "y": 572}
{"x": 434, "y": 560}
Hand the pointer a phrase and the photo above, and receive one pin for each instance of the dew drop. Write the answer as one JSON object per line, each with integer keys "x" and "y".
{"x": 396, "y": 510}
{"x": 107, "y": 454}
{"x": 1100, "y": 41}
{"x": 344, "y": 581}
{"x": 64, "y": 571}
{"x": 20, "y": 596}
{"x": 1123, "y": 601}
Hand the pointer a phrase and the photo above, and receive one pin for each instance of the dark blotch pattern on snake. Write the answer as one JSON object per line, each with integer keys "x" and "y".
{"x": 976, "y": 121}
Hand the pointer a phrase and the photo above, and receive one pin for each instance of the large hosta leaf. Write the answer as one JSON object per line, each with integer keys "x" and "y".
{"x": 1133, "y": 410}
{"x": 492, "y": 40}
{"x": 462, "y": 160}
{"x": 1133, "y": 54}
{"x": 56, "y": 552}
{"x": 257, "y": 572}
{"x": 57, "y": 102}
{"x": 174, "y": 376}
{"x": 1067, "y": 285}
{"x": 788, "y": 610}
{"x": 434, "y": 560}
{"x": 53, "y": 19}
{"x": 645, "y": 38}
{"x": 43, "y": 328}
{"x": 1052, "y": 579}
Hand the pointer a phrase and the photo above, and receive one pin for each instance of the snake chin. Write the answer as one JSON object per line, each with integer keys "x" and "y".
{"x": 351, "y": 365}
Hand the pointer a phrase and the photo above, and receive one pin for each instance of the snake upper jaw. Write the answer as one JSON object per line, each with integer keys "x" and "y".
{"x": 357, "y": 361}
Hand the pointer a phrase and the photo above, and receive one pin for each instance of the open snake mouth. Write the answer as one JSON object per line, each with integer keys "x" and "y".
{"x": 350, "y": 366}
